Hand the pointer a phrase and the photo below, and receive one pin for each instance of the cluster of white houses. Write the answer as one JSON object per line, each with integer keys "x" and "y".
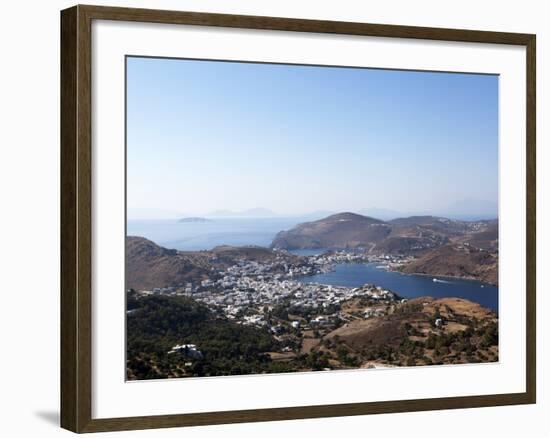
{"x": 247, "y": 294}
{"x": 249, "y": 274}
{"x": 245, "y": 289}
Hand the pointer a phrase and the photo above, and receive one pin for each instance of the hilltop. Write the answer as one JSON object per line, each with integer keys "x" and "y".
{"x": 342, "y": 230}
{"x": 398, "y": 236}
{"x": 149, "y": 265}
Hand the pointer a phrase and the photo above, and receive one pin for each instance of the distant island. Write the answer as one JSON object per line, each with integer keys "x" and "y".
{"x": 250, "y": 213}
{"x": 194, "y": 220}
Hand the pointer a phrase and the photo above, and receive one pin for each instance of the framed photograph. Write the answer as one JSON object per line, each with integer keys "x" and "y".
{"x": 271, "y": 218}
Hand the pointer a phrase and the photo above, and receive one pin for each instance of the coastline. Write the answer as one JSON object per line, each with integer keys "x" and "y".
{"x": 389, "y": 267}
{"x": 450, "y": 277}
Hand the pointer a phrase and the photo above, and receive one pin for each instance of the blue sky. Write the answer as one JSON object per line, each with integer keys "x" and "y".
{"x": 207, "y": 135}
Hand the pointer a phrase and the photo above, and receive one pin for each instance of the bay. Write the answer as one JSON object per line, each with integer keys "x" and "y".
{"x": 196, "y": 236}
{"x": 408, "y": 285}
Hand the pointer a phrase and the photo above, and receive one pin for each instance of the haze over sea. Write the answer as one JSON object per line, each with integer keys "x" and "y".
{"x": 196, "y": 236}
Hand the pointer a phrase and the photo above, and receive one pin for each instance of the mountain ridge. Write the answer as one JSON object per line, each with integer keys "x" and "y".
{"x": 341, "y": 230}
{"x": 400, "y": 235}
{"x": 257, "y": 212}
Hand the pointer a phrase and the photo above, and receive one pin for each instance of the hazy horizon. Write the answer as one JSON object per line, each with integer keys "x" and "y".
{"x": 383, "y": 214}
{"x": 204, "y": 136}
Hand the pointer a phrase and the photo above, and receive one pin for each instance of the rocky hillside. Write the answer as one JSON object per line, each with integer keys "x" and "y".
{"x": 149, "y": 265}
{"x": 343, "y": 230}
{"x": 408, "y": 334}
{"x": 457, "y": 260}
{"x": 487, "y": 238}
{"x": 414, "y": 234}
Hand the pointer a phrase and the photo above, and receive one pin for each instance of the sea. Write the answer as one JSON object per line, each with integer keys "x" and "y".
{"x": 408, "y": 285}
{"x": 196, "y": 236}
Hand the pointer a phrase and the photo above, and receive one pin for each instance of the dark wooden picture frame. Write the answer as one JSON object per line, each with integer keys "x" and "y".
{"x": 76, "y": 218}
